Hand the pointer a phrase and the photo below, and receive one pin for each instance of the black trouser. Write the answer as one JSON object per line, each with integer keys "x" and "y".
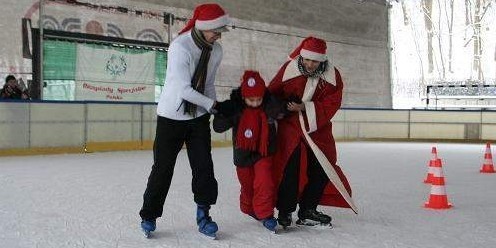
{"x": 287, "y": 198}
{"x": 169, "y": 139}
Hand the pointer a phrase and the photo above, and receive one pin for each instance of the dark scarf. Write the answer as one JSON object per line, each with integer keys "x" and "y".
{"x": 317, "y": 73}
{"x": 200, "y": 75}
{"x": 253, "y": 130}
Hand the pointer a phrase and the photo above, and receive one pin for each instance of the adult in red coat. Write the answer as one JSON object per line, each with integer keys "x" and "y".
{"x": 305, "y": 161}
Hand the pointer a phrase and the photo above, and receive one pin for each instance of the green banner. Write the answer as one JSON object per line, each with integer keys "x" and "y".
{"x": 71, "y": 68}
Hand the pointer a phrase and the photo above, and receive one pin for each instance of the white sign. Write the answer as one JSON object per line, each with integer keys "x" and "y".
{"x": 114, "y": 74}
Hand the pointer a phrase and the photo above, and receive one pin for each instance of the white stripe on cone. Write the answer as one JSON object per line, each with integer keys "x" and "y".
{"x": 437, "y": 171}
{"x": 438, "y": 190}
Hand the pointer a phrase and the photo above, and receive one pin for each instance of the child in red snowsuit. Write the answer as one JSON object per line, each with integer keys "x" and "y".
{"x": 251, "y": 114}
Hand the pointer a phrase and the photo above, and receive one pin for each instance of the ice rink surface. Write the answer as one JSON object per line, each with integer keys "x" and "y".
{"x": 92, "y": 200}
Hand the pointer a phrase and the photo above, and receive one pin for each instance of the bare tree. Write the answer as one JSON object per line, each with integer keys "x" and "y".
{"x": 473, "y": 20}
{"x": 406, "y": 15}
{"x": 427, "y": 7}
{"x": 449, "y": 20}
{"x": 418, "y": 50}
{"x": 440, "y": 40}
{"x": 468, "y": 13}
{"x": 477, "y": 62}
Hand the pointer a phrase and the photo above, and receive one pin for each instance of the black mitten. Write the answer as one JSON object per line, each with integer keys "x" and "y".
{"x": 294, "y": 98}
{"x": 276, "y": 109}
{"x": 225, "y": 108}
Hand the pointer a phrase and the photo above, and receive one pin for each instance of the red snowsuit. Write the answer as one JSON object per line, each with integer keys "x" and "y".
{"x": 257, "y": 189}
{"x": 254, "y": 170}
{"x": 322, "y": 98}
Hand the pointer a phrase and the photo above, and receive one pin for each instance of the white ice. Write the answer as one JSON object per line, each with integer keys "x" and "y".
{"x": 92, "y": 200}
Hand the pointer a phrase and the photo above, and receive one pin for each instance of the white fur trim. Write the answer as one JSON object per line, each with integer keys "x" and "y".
{"x": 330, "y": 75}
{"x": 327, "y": 167}
{"x": 311, "y": 116}
{"x": 212, "y": 24}
{"x": 310, "y": 87}
{"x": 292, "y": 71}
{"x": 307, "y": 54}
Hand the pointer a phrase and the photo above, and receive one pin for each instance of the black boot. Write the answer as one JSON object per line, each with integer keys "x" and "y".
{"x": 284, "y": 219}
{"x": 312, "y": 217}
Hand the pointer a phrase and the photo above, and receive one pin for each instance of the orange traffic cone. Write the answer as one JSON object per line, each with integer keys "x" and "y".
{"x": 488, "y": 166}
{"x": 438, "y": 198}
{"x": 434, "y": 162}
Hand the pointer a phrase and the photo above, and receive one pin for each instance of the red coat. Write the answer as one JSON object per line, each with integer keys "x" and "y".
{"x": 322, "y": 98}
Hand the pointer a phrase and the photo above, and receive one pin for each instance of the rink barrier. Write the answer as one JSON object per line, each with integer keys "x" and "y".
{"x": 40, "y": 151}
{"x": 51, "y": 127}
{"x": 92, "y": 147}
{"x": 133, "y": 145}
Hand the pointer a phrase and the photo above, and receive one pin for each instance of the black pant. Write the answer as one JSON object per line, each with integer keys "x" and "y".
{"x": 169, "y": 139}
{"x": 288, "y": 189}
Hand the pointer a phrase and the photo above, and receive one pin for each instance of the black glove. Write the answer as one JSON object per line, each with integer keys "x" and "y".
{"x": 295, "y": 99}
{"x": 225, "y": 108}
{"x": 276, "y": 109}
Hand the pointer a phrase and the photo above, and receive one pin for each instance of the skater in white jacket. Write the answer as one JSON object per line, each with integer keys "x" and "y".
{"x": 184, "y": 109}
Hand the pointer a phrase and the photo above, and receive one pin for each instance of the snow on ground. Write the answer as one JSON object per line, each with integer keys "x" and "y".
{"x": 92, "y": 200}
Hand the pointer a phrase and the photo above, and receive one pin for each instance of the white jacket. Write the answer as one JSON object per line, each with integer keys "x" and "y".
{"x": 182, "y": 59}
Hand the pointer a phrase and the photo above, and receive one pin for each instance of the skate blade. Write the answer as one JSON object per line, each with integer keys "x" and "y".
{"x": 209, "y": 236}
{"x": 323, "y": 226}
{"x": 272, "y": 231}
{"x": 147, "y": 234}
{"x": 284, "y": 229}
{"x": 313, "y": 224}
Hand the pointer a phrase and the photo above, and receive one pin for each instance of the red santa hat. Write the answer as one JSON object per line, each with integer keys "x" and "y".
{"x": 311, "y": 48}
{"x": 209, "y": 16}
{"x": 252, "y": 85}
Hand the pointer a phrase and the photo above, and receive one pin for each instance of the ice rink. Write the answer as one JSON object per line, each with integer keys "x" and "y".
{"x": 92, "y": 200}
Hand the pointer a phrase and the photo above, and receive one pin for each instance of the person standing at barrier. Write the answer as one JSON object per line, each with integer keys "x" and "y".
{"x": 13, "y": 90}
{"x": 305, "y": 166}
{"x": 184, "y": 109}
